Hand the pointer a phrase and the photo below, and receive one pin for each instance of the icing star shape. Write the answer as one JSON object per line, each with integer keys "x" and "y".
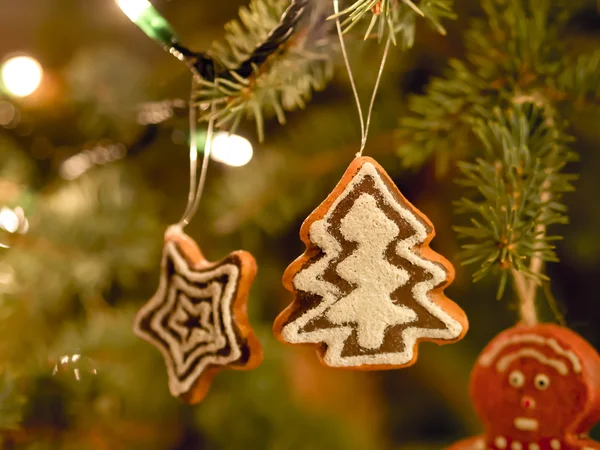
{"x": 197, "y": 318}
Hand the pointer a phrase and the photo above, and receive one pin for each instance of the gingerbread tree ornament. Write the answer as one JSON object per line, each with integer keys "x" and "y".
{"x": 536, "y": 388}
{"x": 197, "y": 318}
{"x": 368, "y": 288}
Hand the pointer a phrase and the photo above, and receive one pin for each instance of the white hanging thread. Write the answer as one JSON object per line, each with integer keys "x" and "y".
{"x": 197, "y": 185}
{"x": 364, "y": 128}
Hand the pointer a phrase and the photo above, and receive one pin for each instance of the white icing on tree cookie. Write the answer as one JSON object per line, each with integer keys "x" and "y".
{"x": 370, "y": 305}
{"x": 369, "y": 308}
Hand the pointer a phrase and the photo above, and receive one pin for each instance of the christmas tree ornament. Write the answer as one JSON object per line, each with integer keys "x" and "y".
{"x": 198, "y": 318}
{"x": 368, "y": 288}
{"x": 536, "y": 388}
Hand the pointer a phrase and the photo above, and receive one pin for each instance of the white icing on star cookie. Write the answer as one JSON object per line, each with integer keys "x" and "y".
{"x": 191, "y": 317}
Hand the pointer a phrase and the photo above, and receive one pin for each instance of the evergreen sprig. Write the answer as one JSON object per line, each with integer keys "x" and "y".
{"x": 440, "y": 123}
{"x": 285, "y": 81}
{"x": 513, "y": 192}
{"x": 397, "y": 17}
{"x": 514, "y": 54}
{"x": 580, "y": 81}
{"x": 518, "y": 77}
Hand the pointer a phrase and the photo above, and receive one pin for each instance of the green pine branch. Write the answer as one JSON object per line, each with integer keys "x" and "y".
{"x": 513, "y": 55}
{"x": 305, "y": 64}
{"x": 513, "y": 193}
{"x": 580, "y": 81}
{"x": 500, "y": 108}
{"x": 396, "y": 17}
{"x": 440, "y": 123}
{"x": 283, "y": 83}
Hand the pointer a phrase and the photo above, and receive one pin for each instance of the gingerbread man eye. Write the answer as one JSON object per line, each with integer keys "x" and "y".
{"x": 516, "y": 378}
{"x": 542, "y": 381}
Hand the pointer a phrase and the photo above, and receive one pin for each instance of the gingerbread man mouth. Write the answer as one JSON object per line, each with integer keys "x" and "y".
{"x": 526, "y": 424}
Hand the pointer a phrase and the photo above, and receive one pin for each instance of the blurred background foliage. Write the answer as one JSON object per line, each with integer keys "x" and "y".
{"x": 73, "y": 376}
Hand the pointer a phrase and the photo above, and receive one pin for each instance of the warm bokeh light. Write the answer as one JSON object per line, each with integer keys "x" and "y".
{"x": 134, "y": 9}
{"x": 231, "y": 149}
{"x": 9, "y": 220}
{"x": 13, "y": 220}
{"x": 67, "y": 362}
{"x": 78, "y": 164}
{"x": 21, "y": 75}
{"x": 8, "y": 113}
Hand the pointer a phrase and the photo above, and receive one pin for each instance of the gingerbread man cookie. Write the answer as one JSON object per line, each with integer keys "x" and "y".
{"x": 536, "y": 388}
{"x": 368, "y": 288}
{"x": 197, "y": 318}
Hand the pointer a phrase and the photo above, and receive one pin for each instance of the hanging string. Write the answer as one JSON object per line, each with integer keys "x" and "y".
{"x": 193, "y": 153}
{"x": 375, "y": 89}
{"x": 364, "y": 129}
{"x": 336, "y": 9}
{"x": 197, "y": 185}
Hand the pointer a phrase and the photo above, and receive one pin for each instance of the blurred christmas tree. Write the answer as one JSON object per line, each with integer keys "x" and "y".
{"x": 93, "y": 168}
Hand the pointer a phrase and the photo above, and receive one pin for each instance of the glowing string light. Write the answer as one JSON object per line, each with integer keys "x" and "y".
{"x": 21, "y": 75}
{"x": 134, "y": 9}
{"x": 231, "y": 149}
{"x": 145, "y": 16}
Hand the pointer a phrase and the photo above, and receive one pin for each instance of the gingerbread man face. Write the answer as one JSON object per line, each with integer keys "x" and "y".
{"x": 539, "y": 383}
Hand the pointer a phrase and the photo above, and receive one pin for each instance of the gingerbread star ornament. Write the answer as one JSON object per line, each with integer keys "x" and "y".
{"x": 536, "y": 388}
{"x": 197, "y": 318}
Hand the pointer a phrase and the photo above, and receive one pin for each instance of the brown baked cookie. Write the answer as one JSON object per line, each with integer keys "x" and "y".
{"x": 536, "y": 388}
{"x": 198, "y": 318}
{"x": 368, "y": 288}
